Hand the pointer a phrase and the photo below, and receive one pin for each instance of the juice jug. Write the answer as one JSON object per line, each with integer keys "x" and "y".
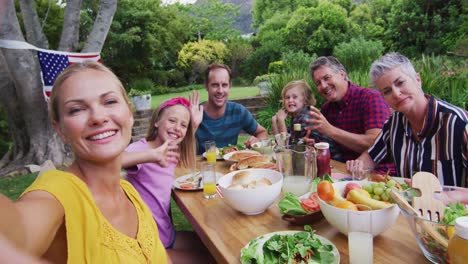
{"x": 458, "y": 244}
{"x": 323, "y": 159}
{"x": 298, "y": 169}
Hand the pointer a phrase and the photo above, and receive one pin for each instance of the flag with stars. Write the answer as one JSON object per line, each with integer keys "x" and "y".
{"x": 54, "y": 62}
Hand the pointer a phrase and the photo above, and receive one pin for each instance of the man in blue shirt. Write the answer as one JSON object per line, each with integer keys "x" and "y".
{"x": 224, "y": 120}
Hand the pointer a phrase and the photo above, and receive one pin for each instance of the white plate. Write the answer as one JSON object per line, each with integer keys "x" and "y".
{"x": 190, "y": 179}
{"x": 263, "y": 238}
{"x": 218, "y": 157}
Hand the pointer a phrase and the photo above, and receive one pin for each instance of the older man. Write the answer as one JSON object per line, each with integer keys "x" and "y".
{"x": 224, "y": 120}
{"x": 423, "y": 134}
{"x": 353, "y": 116}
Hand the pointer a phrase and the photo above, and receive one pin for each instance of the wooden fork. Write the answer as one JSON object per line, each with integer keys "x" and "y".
{"x": 429, "y": 207}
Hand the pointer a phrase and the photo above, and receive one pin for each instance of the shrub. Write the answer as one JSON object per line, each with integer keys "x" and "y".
{"x": 275, "y": 67}
{"x": 264, "y": 116}
{"x": 134, "y": 92}
{"x": 143, "y": 84}
{"x": 444, "y": 78}
{"x": 176, "y": 78}
{"x": 264, "y": 78}
{"x": 358, "y": 54}
{"x": 299, "y": 60}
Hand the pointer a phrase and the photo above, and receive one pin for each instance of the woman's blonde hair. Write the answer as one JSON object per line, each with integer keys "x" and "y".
{"x": 309, "y": 98}
{"x": 187, "y": 145}
{"x": 72, "y": 70}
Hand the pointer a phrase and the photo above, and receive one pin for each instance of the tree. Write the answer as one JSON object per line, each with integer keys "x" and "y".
{"x": 195, "y": 57}
{"x": 318, "y": 29}
{"x": 144, "y": 40}
{"x": 34, "y": 140}
{"x": 211, "y": 19}
{"x": 263, "y": 10}
{"x": 426, "y": 26}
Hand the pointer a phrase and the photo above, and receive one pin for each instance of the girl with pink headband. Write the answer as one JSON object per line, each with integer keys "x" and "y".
{"x": 150, "y": 164}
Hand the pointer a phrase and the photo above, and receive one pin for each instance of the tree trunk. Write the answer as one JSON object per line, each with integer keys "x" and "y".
{"x": 101, "y": 26}
{"x": 71, "y": 26}
{"x": 34, "y": 140}
{"x": 34, "y": 33}
{"x": 23, "y": 101}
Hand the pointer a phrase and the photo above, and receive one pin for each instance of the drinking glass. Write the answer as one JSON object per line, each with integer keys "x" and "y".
{"x": 360, "y": 239}
{"x": 298, "y": 169}
{"x": 210, "y": 148}
{"x": 360, "y": 175}
{"x": 209, "y": 179}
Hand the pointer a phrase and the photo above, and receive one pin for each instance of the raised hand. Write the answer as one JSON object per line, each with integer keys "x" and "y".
{"x": 318, "y": 121}
{"x": 196, "y": 110}
{"x": 165, "y": 154}
{"x": 281, "y": 115}
{"x": 248, "y": 143}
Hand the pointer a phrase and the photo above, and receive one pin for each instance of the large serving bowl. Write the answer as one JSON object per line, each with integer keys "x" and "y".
{"x": 434, "y": 251}
{"x": 252, "y": 201}
{"x": 381, "y": 219}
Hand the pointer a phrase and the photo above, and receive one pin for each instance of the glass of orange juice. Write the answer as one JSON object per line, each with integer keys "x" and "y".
{"x": 210, "y": 148}
{"x": 209, "y": 179}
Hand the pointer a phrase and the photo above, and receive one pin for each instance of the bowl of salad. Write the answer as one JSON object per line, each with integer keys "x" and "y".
{"x": 290, "y": 247}
{"x": 431, "y": 236}
{"x": 304, "y": 209}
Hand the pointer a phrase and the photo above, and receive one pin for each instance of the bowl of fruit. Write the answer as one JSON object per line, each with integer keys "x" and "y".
{"x": 338, "y": 198}
{"x": 432, "y": 236}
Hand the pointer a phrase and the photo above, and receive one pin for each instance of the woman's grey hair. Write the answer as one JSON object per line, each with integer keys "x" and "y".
{"x": 328, "y": 61}
{"x": 388, "y": 62}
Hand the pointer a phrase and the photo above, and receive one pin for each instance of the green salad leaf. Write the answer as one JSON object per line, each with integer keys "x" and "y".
{"x": 453, "y": 211}
{"x": 302, "y": 247}
{"x": 291, "y": 205}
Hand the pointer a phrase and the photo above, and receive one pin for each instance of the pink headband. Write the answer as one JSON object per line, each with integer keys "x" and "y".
{"x": 175, "y": 101}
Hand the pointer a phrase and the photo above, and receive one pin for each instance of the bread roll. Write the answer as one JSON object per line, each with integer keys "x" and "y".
{"x": 235, "y": 186}
{"x": 251, "y": 161}
{"x": 243, "y": 178}
{"x": 263, "y": 182}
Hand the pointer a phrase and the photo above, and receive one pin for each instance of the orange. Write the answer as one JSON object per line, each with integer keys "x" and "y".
{"x": 325, "y": 191}
{"x": 347, "y": 205}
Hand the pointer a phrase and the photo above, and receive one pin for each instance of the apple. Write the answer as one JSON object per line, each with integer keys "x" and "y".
{"x": 350, "y": 186}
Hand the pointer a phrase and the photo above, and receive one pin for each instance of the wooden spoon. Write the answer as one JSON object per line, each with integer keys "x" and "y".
{"x": 429, "y": 207}
{"x": 426, "y": 226}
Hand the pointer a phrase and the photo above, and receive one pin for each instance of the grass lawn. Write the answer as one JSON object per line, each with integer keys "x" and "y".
{"x": 236, "y": 93}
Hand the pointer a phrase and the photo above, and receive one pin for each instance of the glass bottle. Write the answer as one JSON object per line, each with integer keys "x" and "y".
{"x": 323, "y": 159}
{"x": 297, "y": 135}
{"x": 458, "y": 244}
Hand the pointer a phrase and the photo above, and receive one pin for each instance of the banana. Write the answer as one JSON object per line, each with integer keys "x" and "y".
{"x": 358, "y": 197}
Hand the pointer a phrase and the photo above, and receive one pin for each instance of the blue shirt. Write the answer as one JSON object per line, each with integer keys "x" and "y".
{"x": 226, "y": 129}
{"x": 440, "y": 148}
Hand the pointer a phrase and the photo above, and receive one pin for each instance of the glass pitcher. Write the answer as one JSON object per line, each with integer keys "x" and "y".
{"x": 299, "y": 169}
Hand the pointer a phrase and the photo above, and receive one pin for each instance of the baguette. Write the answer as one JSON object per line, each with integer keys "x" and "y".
{"x": 267, "y": 165}
{"x": 244, "y": 154}
{"x": 251, "y": 161}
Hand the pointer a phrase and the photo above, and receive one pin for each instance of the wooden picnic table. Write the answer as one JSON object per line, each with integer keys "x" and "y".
{"x": 225, "y": 231}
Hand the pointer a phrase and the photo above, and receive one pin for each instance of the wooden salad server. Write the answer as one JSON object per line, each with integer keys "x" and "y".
{"x": 429, "y": 207}
{"x": 425, "y": 225}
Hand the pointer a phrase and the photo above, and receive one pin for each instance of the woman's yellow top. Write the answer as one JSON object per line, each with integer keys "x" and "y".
{"x": 90, "y": 237}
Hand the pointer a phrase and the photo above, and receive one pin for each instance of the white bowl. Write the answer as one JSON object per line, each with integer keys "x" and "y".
{"x": 381, "y": 219}
{"x": 252, "y": 201}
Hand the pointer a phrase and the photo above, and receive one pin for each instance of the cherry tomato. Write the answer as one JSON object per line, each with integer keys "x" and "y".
{"x": 310, "y": 205}
{"x": 326, "y": 191}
